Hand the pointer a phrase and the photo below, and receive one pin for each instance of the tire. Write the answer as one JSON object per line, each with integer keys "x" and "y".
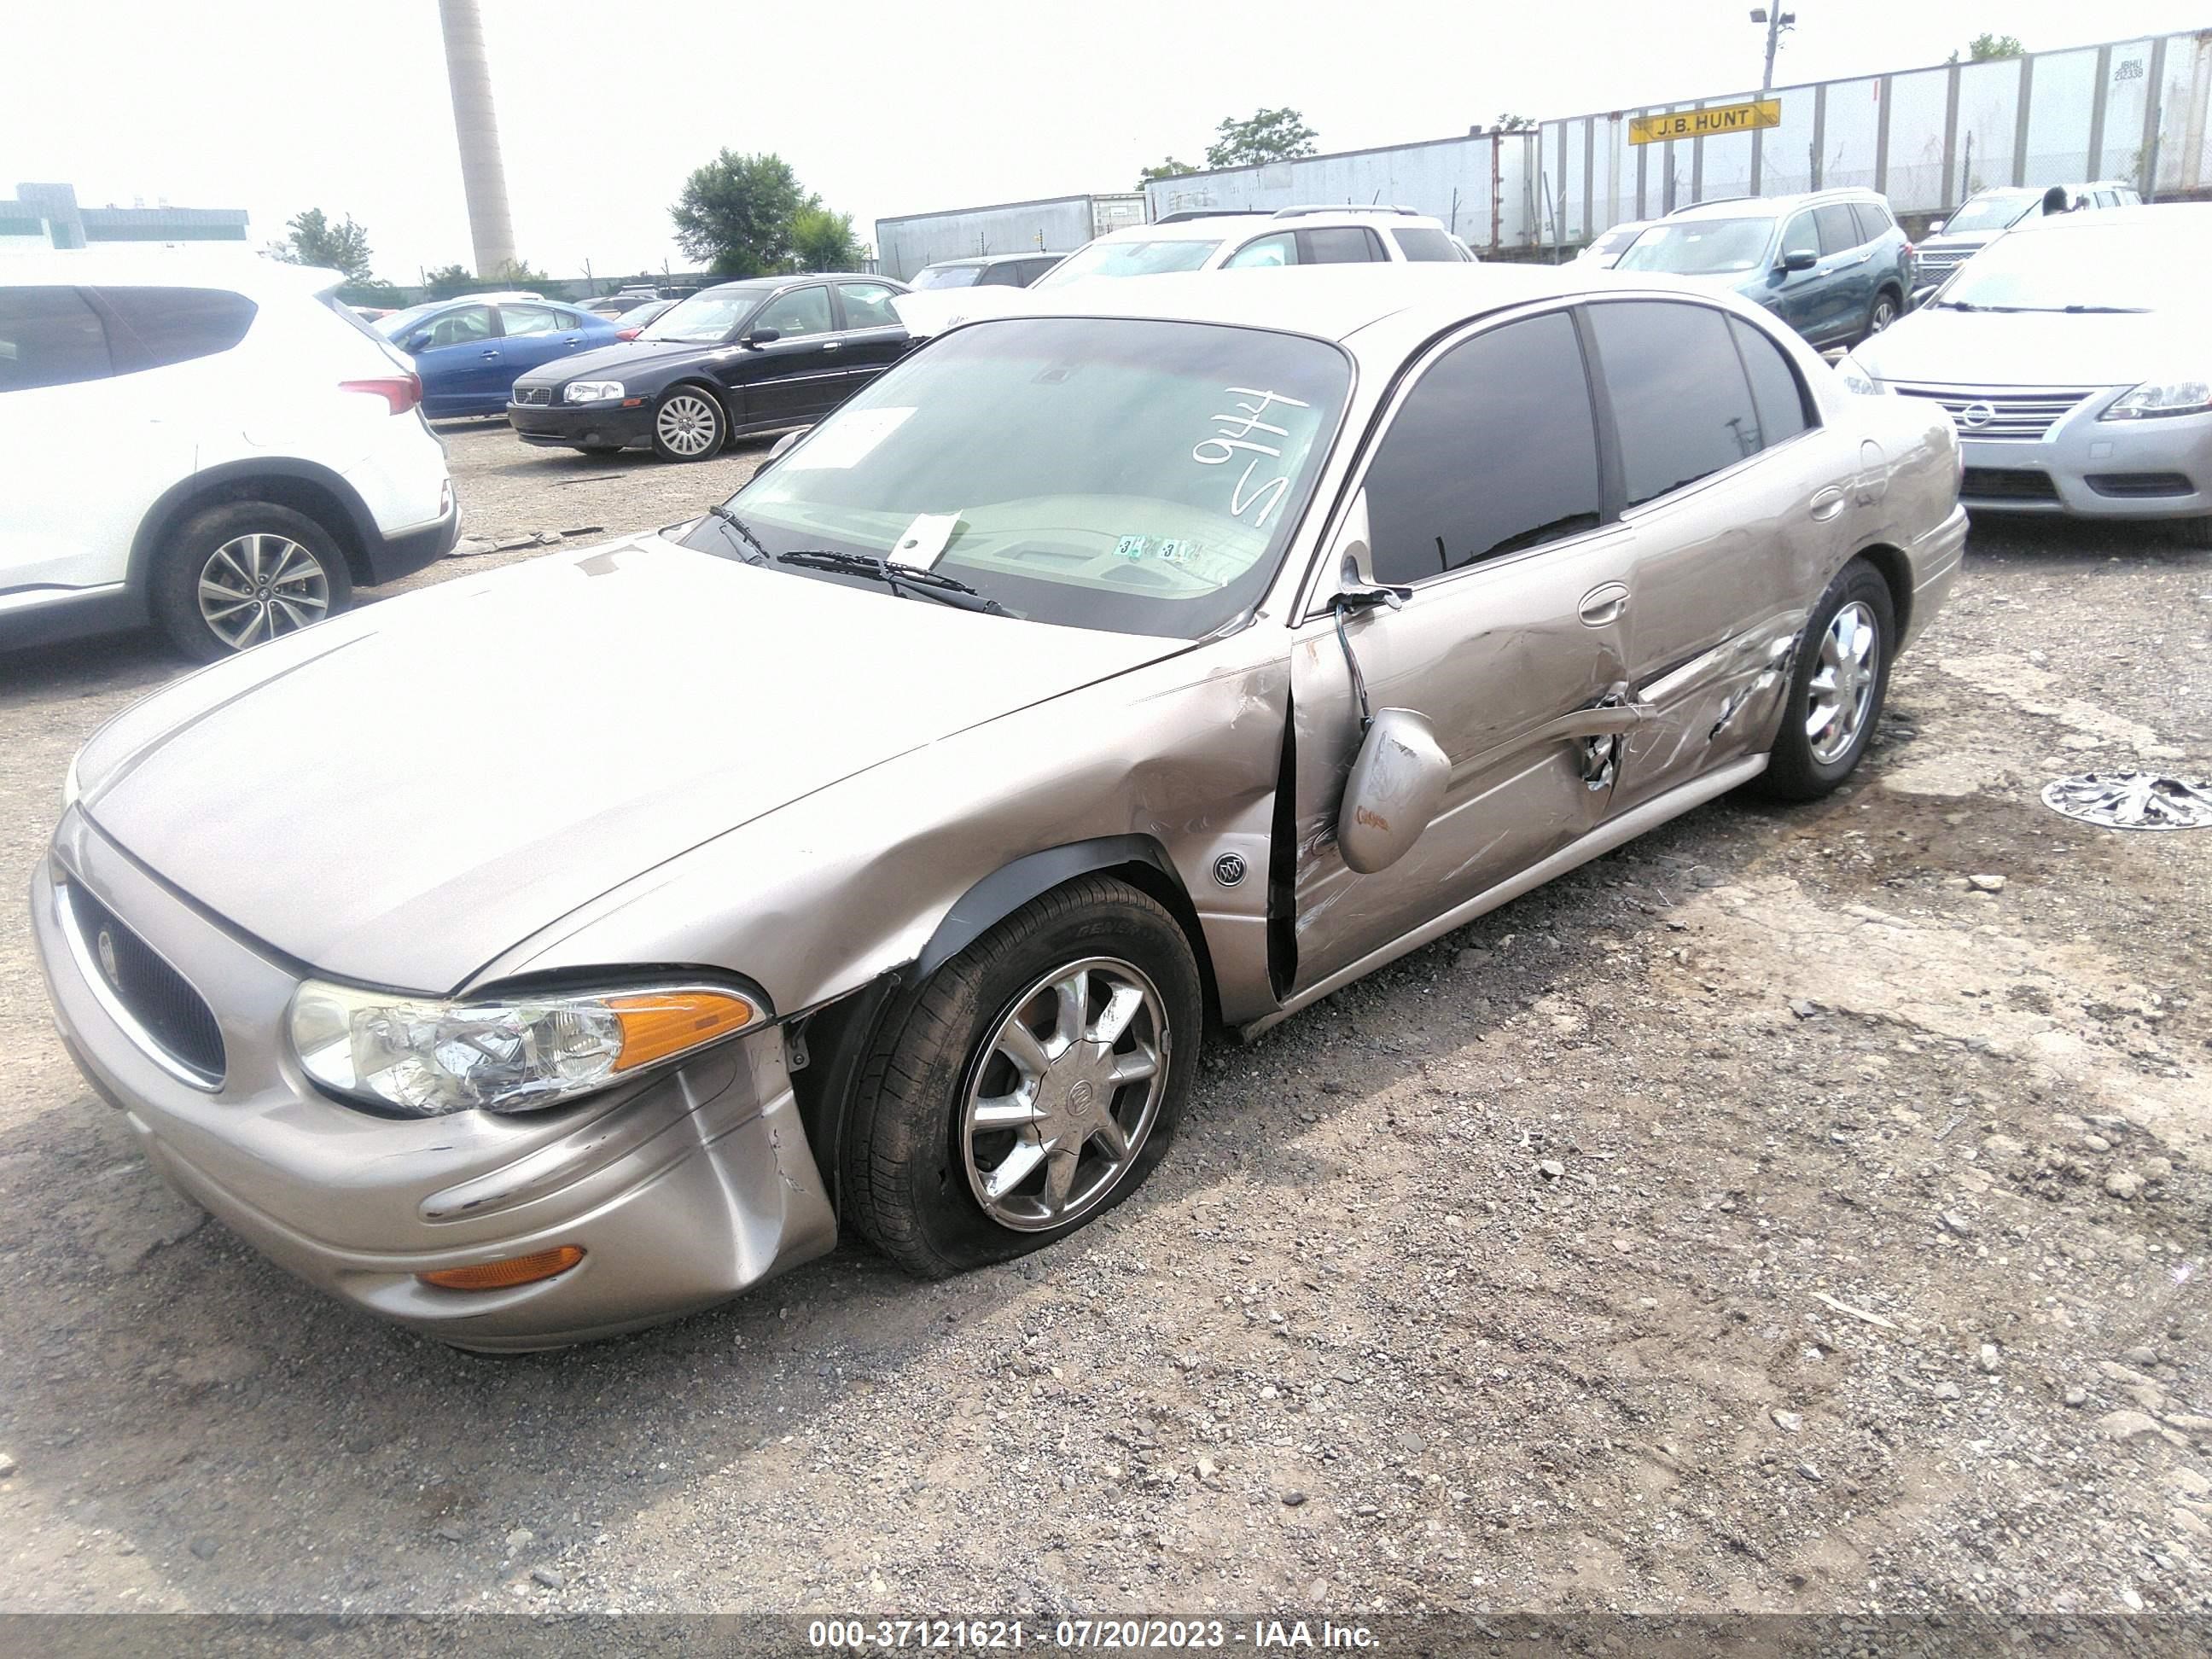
{"x": 1886, "y": 310}
{"x": 280, "y": 569}
{"x": 689, "y": 424}
{"x": 916, "y": 1169}
{"x": 1807, "y": 762}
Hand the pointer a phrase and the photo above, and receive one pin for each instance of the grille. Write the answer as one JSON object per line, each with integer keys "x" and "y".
{"x": 1940, "y": 260}
{"x": 2007, "y": 483}
{"x": 2016, "y": 414}
{"x": 2140, "y": 484}
{"x": 171, "y": 1015}
{"x": 533, "y": 394}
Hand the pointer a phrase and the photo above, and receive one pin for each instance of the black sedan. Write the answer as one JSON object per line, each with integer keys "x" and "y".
{"x": 750, "y": 357}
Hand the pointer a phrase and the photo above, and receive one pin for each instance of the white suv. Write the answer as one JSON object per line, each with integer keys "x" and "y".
{"x": 1237, "y": 240}
{"x": 206, "y": 440}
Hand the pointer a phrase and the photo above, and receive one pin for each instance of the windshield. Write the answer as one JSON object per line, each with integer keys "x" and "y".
{"x": 1106, "y": 258}
{"x": 1128, "y": 475}
{"x": 1700, "y": 247}
{"x": 2085, "y": 266}
{"x": 1987, "y": 213}
{"x": 400, "y": 322}
{"x": 948, "y": 276}
{"x": 705, "y": 317}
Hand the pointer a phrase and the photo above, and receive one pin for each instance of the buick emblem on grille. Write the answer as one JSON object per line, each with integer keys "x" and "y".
{"x": 104, "y": 943}
{"x": 1977, "y": 413}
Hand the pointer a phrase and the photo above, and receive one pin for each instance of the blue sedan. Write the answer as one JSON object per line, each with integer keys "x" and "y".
{"x": 469, "y": 350}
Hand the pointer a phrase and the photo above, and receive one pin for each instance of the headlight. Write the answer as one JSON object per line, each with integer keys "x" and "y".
{"x": 516, "y": 1053}
{"x": 592, "y": 391}
{"x": 1859, "y": 377}
{"x": 2155, "y": 398}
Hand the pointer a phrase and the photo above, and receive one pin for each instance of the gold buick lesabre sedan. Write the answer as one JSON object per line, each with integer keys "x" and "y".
{"x": 558, "y": 950}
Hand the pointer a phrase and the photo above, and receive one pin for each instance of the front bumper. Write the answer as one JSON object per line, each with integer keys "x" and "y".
{"x": 571, "y": 424}
{"x": 683, "y": 1190}
{"x": 2086, "y": 468}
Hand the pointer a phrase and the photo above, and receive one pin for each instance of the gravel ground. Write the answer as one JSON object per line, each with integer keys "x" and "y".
{"x": 1797, "y": 1210}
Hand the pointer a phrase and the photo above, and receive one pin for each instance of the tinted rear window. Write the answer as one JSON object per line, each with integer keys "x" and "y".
{"x": 1678, "y": 391}
{"x": 50, "y": 337}
{"x": 1875, "y": 221}
{"x": 1339, "y": 245}
{"x": 1775, "y": 391}
{"x": 1839, "y": 231}
{"x": 1419, "y": 243}
{"x": 164, "y": 325}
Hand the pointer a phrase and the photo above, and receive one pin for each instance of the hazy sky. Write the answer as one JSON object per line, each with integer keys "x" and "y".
{"x": 882, "y": 108}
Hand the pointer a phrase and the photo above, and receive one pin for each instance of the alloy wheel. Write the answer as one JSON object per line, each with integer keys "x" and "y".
{"x": 1885, "y": 313}
{"x": 1063, "y": 1093}
{"x": 1842, "y": 689}
{"x": 257, "y": 586}
{"x": 688, "y": 424}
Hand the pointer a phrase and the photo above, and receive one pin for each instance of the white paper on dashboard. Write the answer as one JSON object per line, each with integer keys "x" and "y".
{"x": 848, "y": 442}
{"x": 923, "y": 541}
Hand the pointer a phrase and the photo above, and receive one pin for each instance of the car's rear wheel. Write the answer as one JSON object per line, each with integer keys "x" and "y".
{"x": 242, "y": 573}
{"x": 1881, "y": 314}
{"x": 687, "y": 425}
{"x": 1838, "y": 686}
{"x": 1032, "y": 1086}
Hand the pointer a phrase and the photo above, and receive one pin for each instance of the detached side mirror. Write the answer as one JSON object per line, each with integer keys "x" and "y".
{"x": 1800, "y": 258}
{"x": 786, "y": 440}
{"x": 1397, "y": 783}
{"x": 761, "y": 336}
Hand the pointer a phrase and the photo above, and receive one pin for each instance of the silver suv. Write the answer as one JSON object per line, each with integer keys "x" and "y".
{"x": 1988, "y": 214}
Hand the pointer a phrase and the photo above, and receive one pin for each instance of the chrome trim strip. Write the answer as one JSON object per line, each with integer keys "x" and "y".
{"x": 103, "y": 994}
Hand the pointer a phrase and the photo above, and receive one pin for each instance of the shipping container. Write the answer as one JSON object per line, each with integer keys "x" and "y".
{"x": 1058, "y": 224}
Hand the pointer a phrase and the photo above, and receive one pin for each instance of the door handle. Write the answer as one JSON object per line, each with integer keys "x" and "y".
{"x": 832, "y": 345}
{"x": 1603, "y": 604}
{"x": 1828, "y": 503}
{"x": 491, "y": 356}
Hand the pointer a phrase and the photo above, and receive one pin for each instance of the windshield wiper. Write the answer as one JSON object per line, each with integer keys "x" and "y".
{"x": 738, "y": 527}
{"x": 903, "y": 579}
{"x": 2128, "y": 310}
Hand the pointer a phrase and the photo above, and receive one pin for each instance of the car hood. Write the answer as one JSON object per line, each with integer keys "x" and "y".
{"x": 1970, "y": 241}
{"x": 398, "y": 795}
{"x": 2031, "y": 347}
{"x": 612, "y": 360}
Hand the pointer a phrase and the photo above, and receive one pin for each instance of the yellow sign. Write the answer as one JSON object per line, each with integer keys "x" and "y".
{"x": 1708, "y": 123}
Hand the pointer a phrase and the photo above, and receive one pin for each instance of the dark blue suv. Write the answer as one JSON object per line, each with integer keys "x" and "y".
{"x": 1833, "y": 265}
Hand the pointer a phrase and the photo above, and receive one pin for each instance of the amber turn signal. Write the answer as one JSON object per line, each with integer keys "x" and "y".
{"x": 505, "y": 1275}
{"x": 658, "y": 1024}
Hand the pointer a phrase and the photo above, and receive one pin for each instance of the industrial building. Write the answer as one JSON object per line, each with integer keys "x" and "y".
{"x": 1058, "y": 224}
{"x": 48, "y": 216}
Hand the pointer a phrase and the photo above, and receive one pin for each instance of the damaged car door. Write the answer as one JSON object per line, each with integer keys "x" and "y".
{"x": 1736, "y": 496}
{"x": 1495, "y": 611}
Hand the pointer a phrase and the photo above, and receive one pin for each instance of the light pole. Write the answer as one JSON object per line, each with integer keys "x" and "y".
{"x": 1776, "y": 20}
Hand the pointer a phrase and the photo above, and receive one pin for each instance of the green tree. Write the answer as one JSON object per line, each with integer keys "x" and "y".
{"x": 447, "y": 281}
{"x": 1516, "y": 124}
{"x": 1169, "y": 168}
{"x": 518, "y": 273}
{"x": 314, "y": 240}
{"x": 1983, "y": 47}
{"x": 1271, "y": 135}
{"x": 822, "y": 241}
{"x": 736, "y": 214}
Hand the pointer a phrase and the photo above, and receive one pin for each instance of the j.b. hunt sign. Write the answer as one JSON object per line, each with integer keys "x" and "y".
{"x": 1707, "y": 123}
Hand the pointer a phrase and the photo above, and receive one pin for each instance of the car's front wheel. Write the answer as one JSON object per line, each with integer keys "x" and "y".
{"x": 242, "y": 573}
{"x": 1837, "y": 688}
{"x": 688, "y": 426}
{"x": 1032, "y": 1086}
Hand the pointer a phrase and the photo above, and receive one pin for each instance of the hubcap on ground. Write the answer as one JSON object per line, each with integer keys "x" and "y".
{"x": 1064, "y": 1094}
{"x": 686, "y": 424}
{"x": 1842, "y": 689}
{"x": 257, "y": 586}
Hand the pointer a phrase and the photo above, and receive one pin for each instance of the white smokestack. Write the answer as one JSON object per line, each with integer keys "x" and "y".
{"x": 484, "y": 177}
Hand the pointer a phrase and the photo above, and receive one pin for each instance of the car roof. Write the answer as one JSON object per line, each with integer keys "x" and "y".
{"x": 2188, "y": 219}
{"x": 988, "y": 260}
{"x": 238, "y": 268}
{"x": 1771, "y": 207}
{"x": 1335, "y": 302}
{"x": 1213, "y": 228}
